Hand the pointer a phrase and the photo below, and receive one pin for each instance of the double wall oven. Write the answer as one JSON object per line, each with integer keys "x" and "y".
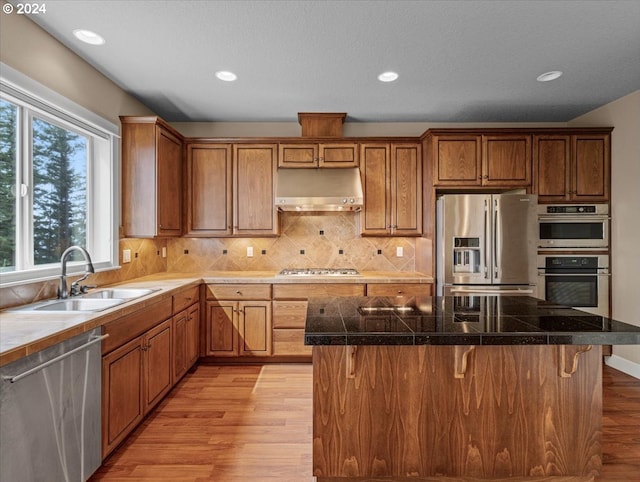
{"x": 573, "y": 256}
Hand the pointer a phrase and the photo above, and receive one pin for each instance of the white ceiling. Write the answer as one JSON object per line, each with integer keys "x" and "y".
{"x": 459, "y": 61}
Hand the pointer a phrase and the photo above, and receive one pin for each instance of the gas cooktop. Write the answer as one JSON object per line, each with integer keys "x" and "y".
{"x": 319, "y": 272}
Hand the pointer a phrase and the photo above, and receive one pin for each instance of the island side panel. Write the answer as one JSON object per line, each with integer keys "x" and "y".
{"x": 476, "y": 411}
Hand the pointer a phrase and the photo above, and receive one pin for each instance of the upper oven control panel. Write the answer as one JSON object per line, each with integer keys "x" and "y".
{"x": 574, "y": 210}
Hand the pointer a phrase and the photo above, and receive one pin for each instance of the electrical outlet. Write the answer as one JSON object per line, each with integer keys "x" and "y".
{"x": 164, "y": 252}
{"x": 126, "y": 256}
{"x": 249, "y": 251}
{"x": 399, "y": 252}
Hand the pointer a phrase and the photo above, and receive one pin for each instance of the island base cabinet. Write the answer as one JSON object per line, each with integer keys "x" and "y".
{"x": 457, "y": 411}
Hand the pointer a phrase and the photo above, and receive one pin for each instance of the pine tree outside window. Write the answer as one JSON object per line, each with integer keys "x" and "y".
{"x": 57, "y": 189}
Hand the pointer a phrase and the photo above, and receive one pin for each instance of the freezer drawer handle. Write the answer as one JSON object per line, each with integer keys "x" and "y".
{"x": 493, "y": 292}
{"x": 35, "y": 369}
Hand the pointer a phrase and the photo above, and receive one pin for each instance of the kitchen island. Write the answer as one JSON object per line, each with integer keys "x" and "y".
{"x": 478, "y": 386}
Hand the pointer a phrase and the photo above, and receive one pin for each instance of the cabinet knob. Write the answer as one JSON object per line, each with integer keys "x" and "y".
{"x": 238, "y": 292}
{"x": 400, "y": 292}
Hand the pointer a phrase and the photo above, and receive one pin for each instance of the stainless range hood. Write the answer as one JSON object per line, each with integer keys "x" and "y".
{"x": 321, "y": 189}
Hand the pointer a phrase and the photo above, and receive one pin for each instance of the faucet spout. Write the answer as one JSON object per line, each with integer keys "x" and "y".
{"x": 62, "y": 287}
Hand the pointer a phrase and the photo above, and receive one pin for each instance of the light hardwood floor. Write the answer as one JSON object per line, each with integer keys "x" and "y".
{"x": 253, "y": 424}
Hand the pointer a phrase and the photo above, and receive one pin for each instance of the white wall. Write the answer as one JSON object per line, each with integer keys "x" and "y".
{"x": 624, "y": 115}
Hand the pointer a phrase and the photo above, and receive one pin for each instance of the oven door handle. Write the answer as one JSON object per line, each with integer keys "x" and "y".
{"x": 560, "y": 219}
{"x": 542, "y": 273}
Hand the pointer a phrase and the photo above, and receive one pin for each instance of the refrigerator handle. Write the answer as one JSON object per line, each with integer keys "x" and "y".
{"x": 495, "y": 238}
{"x": 485, "y": 267}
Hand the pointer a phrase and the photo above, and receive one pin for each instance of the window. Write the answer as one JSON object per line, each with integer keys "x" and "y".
{"x": 57, "y": 186}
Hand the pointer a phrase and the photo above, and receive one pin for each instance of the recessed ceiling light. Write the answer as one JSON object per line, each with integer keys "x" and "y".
{"x": 89, "y": 37}
{"x": 226, "y": 76}
{"x": 387, "y": 76}
{"x": 547, "y": 76}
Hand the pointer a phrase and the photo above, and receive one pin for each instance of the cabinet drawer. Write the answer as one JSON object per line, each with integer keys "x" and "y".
{"x": 239, "y": 292}
{"x": 305, "y": 291}
{"x": 129, "y": 326}
{"x": 185, "y": 298}
{"x": 399, "y": 289}
{"x": 289, "y": 314}
{"x": 290, "y": 342}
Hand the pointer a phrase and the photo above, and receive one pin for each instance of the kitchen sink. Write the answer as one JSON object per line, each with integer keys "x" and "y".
{"x": 95, "y": 301}
{"x": 119, "y": 293}
{"x": 71, "y": 304}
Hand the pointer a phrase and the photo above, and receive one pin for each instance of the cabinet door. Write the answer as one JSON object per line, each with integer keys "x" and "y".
{"x": 338, "y": 155}
{"x": 406, "y": 190}
{"x": 209, "y": 201}
{"x": 255, "y": 328}
{"x": 222, "y": 328}
{"x": 193, "y": 335}
{"x": 551, "y": 166}
{"x": 298, "y": 155}
{"x": 179, "y": 322}
{"x": 591, "y": 170}
{"x": 376, "y": 178}
{"x": 122, "y": 393}
{"x": 169, "y": 184}
{"x": 458, "y": 160}
{"x": 506, "y": 160}
{"x": 157, "y": 363}
{"x": 254, "y": 190}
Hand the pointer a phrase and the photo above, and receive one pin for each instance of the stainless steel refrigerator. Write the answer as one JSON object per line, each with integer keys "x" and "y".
{"x": 486, "y": 244}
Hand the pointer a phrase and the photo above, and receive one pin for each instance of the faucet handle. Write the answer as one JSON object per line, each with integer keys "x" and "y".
{"x": 85, "y": 288}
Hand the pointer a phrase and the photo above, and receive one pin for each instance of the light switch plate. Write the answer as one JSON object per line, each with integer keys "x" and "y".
{"x": 399, "y": 252}
{"x": 164, "y": 252}
{"x": 126, "y": 256}
{"x": 249, "y": 251}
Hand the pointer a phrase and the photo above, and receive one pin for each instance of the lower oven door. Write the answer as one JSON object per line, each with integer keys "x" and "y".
{"x": 584, "y": 291}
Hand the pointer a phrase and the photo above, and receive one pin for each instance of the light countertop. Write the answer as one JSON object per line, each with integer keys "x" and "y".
{"x": 23, "y": 333}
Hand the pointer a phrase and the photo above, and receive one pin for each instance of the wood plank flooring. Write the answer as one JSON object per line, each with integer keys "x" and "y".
{"x": 253, "y": 423}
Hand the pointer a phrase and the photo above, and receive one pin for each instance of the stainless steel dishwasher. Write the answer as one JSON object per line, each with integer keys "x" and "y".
{"x": 50, "y": 413}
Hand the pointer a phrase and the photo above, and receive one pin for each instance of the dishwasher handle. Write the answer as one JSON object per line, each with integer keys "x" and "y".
{"x": 35, "y": 369}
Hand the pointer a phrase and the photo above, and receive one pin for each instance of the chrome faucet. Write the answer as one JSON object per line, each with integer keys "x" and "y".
{"x": 75, "y": 288}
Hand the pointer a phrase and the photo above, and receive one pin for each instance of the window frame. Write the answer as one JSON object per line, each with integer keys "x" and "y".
{"x": 103, "y": 199}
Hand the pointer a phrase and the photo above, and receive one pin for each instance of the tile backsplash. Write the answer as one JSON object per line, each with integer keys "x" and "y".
{"x": 307, "y": 240}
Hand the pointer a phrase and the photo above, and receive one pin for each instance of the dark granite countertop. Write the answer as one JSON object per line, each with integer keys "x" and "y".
{"x": 458, "y": 320}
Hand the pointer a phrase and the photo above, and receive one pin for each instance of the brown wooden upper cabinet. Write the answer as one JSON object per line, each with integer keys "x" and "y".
{"x": 151, "y": 178}
{"x": 334, "y": 154}
{"x": 497, "y": 160}
{"x": 572, "y": 167}
{"x": 209, "y": 190}
{"x": 254, "y": 189}
{"x": 231, "y": 190}
{"x": 392, "y": 183}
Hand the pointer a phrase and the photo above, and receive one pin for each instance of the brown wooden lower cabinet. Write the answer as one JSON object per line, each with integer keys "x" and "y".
{"x": 135, "y": 377}
{"x": 145, "y": 354}
{"x": 457, "y": 411}
{"x": 186, "y": 328}
{"x": 238, "y": 328}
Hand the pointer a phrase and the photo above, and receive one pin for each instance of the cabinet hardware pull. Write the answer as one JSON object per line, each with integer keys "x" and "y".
{"x": 35, "y": 369}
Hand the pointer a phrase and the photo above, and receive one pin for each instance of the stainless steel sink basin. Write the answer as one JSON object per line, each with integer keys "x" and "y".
{"x": 72, "y": 304}
{"x": 120, "y": 293}
{"x": 95, "y": 301}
